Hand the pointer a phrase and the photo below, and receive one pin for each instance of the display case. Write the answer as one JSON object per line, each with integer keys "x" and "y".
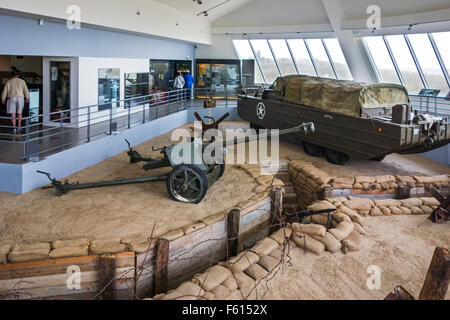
{"x": 137, "y": 88}
{"x": 108, "y": 88}
{"x": 218, "y": 75}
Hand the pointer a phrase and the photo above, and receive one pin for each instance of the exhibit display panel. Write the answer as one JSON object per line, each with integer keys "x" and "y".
{"x": 218, "y": 74}
{"x": 137, "y": 85}
{"x": 108, "y": 88}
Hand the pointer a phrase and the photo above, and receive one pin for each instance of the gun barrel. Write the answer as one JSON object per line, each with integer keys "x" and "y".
{"x": 304, "y": 128}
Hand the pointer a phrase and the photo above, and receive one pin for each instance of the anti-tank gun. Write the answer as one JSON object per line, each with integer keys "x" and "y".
{"x": 191, "y": 175}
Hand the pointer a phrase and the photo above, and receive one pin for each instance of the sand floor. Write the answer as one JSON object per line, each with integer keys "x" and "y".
{"x": 132, "y": 210}
{"x": 402, "y": 246}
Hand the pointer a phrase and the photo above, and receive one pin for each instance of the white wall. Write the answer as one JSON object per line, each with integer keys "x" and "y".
{"x": 155, "y": 18}
{"x": 221, "y": 48}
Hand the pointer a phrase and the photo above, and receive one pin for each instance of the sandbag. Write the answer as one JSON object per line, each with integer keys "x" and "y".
{"x": 4, "y": 250}
{"x": 212, "y": 277}
{"x": 339, "y": 217}
{"x": 242, "y": 261}
{"x": 246, "y": 285}
{"x": 424, "y": 179}
{"x": 426, "y": 210}
{"x": 405, "y": 210}
{"x": 221, "y": 292}
{"x": 318, "y": 219}
{"x": 411, "y": 202}
{"x": 66, "y": 252}
{"x": 364, "y": 179}
{"x": 30, "y": 247}
{"x": 395, "y": 210}
{"x": 321, "y": 205}
{"x": 430, "y": 201}
{"x": 278, "y": 253}
{"x": 25, "y": 256}
{"x": 363, "y": 204}
{"x": 342, "y": 230}
{"x": 385, "y": 210}
{"x": 359, "y": 228}
{"x": 343, "y": 180}
{"x": 308, "y": 243}
{"x": 387, "y": 203}
{"x": 363, "y": 212}
{"x": 310, "y": 229}
{"x": 193, "y": 227}
{"x": 209, "y": 296}
{"x": 256, "y": 272}
{"x": 230, "y": 283}
{"x": 186, "y": 291}
{"x": 384, "y": 179}
{"x": 265, "y": 247}
{"x": 331, "y": 243}
{"x": 281, "y": 235}
{"x": 376, "y": 212}
{"x": 103, "y": 247}
{"x": 269, "y": 263}
{"x": 353, "y": 243}
{"x": 70, "y": 243}
{"x": 358, "y": 186}
{"x": 354, "y": 216}
{"x": 416, "y": 210}
{"x": 405, "y": 179}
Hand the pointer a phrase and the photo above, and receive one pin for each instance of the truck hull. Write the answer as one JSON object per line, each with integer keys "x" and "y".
{"x": 360, "y": 138}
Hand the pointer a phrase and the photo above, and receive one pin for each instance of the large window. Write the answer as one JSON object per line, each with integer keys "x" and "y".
{"x": 320, "y": 57}
{"x": 416, "y": 61}
{"x": 302, "y": 57}
{"x": 337, "y": 56}
{"x": 273, "y": 57}
{"x": 428, "y": 62}
{"x": 283, "y": 56}
{"x": 265, "y": 59}
{"x": 382, "y": 59}
{"x": 405, "y": 63}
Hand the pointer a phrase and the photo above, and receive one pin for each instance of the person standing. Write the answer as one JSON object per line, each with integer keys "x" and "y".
{"x": 189, "y": 80}
{"x": 15, "y": 91}
{"x": 179, "y": 85}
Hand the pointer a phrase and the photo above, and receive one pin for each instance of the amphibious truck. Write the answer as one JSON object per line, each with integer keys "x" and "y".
{"x": 352, "y": 119}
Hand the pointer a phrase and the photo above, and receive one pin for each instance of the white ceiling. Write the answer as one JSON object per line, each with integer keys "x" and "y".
{"x": 193, "y": 8}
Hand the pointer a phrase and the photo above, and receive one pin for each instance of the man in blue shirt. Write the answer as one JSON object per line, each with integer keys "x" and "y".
{"x": 189, "y": 82}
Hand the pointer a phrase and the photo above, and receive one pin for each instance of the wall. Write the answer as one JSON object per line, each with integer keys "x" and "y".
{"x": 155, "y": 19}
{"x": 221, "y": 48}
{"x": 26, "y": 37}
{"x": 441, "y": 155}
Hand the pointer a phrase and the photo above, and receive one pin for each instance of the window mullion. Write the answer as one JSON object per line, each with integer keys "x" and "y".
{"x": 372, "y": 61}
{"x": 311, "y": 57}
{"x": 394, "y": 62}
{"x": 292, "y": 56}
{"x": 329, "y": 58}
{"x": 274, "y": 58}
{"x": 257, "y": 61}
{"x": 439, "y": 57}
{"x": 416, "y": 62}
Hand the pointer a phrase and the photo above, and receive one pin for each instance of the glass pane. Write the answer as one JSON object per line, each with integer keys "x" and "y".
{"x": 284, "y": 59}
{"x": 60, "y": 90}
{"x": 336, "y": 54}
{"x": 302, "y": 57}
{"x": 405, "y": 63}
{"x": 428, "y": 62}
{"x": 108, "y": 88}
{"x": 442, "y": 40}
{"x": 244, "y": 51}
{"x": 320, "y": 58}
{"x": 265, "y": 58}
{"x": 382, "y": 59}
{"x": 137, "y": 85}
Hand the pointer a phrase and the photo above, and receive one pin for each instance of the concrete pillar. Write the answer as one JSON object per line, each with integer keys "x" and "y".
{"x": 353, "y": 49}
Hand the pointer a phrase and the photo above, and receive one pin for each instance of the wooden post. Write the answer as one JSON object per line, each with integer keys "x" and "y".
{"x": 161, "y": 266}
{"x": 438, "y": 276}
{"x": 276, "y": 208}
{"x": 233, "y": 220}
{"x": 404, "y": 192}
{"x": 107, "y": 277}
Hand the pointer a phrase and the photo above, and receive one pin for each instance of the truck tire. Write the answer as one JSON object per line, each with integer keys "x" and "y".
{"x": 313, "y": 149}
{"x": 336, "y": 157}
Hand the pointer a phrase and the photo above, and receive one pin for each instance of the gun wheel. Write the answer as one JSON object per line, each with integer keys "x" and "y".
{"x": 187, "y": 183}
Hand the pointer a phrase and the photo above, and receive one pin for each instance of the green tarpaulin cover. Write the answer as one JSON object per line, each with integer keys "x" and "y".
{"x": 341, "y": 96}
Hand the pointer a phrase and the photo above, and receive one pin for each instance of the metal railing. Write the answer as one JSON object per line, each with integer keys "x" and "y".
{"x": 52, "y": 132}
{"x": 437, "y": 106}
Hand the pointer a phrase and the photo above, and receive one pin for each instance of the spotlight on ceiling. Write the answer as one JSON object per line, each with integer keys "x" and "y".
{"x": 205, "y": 13}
